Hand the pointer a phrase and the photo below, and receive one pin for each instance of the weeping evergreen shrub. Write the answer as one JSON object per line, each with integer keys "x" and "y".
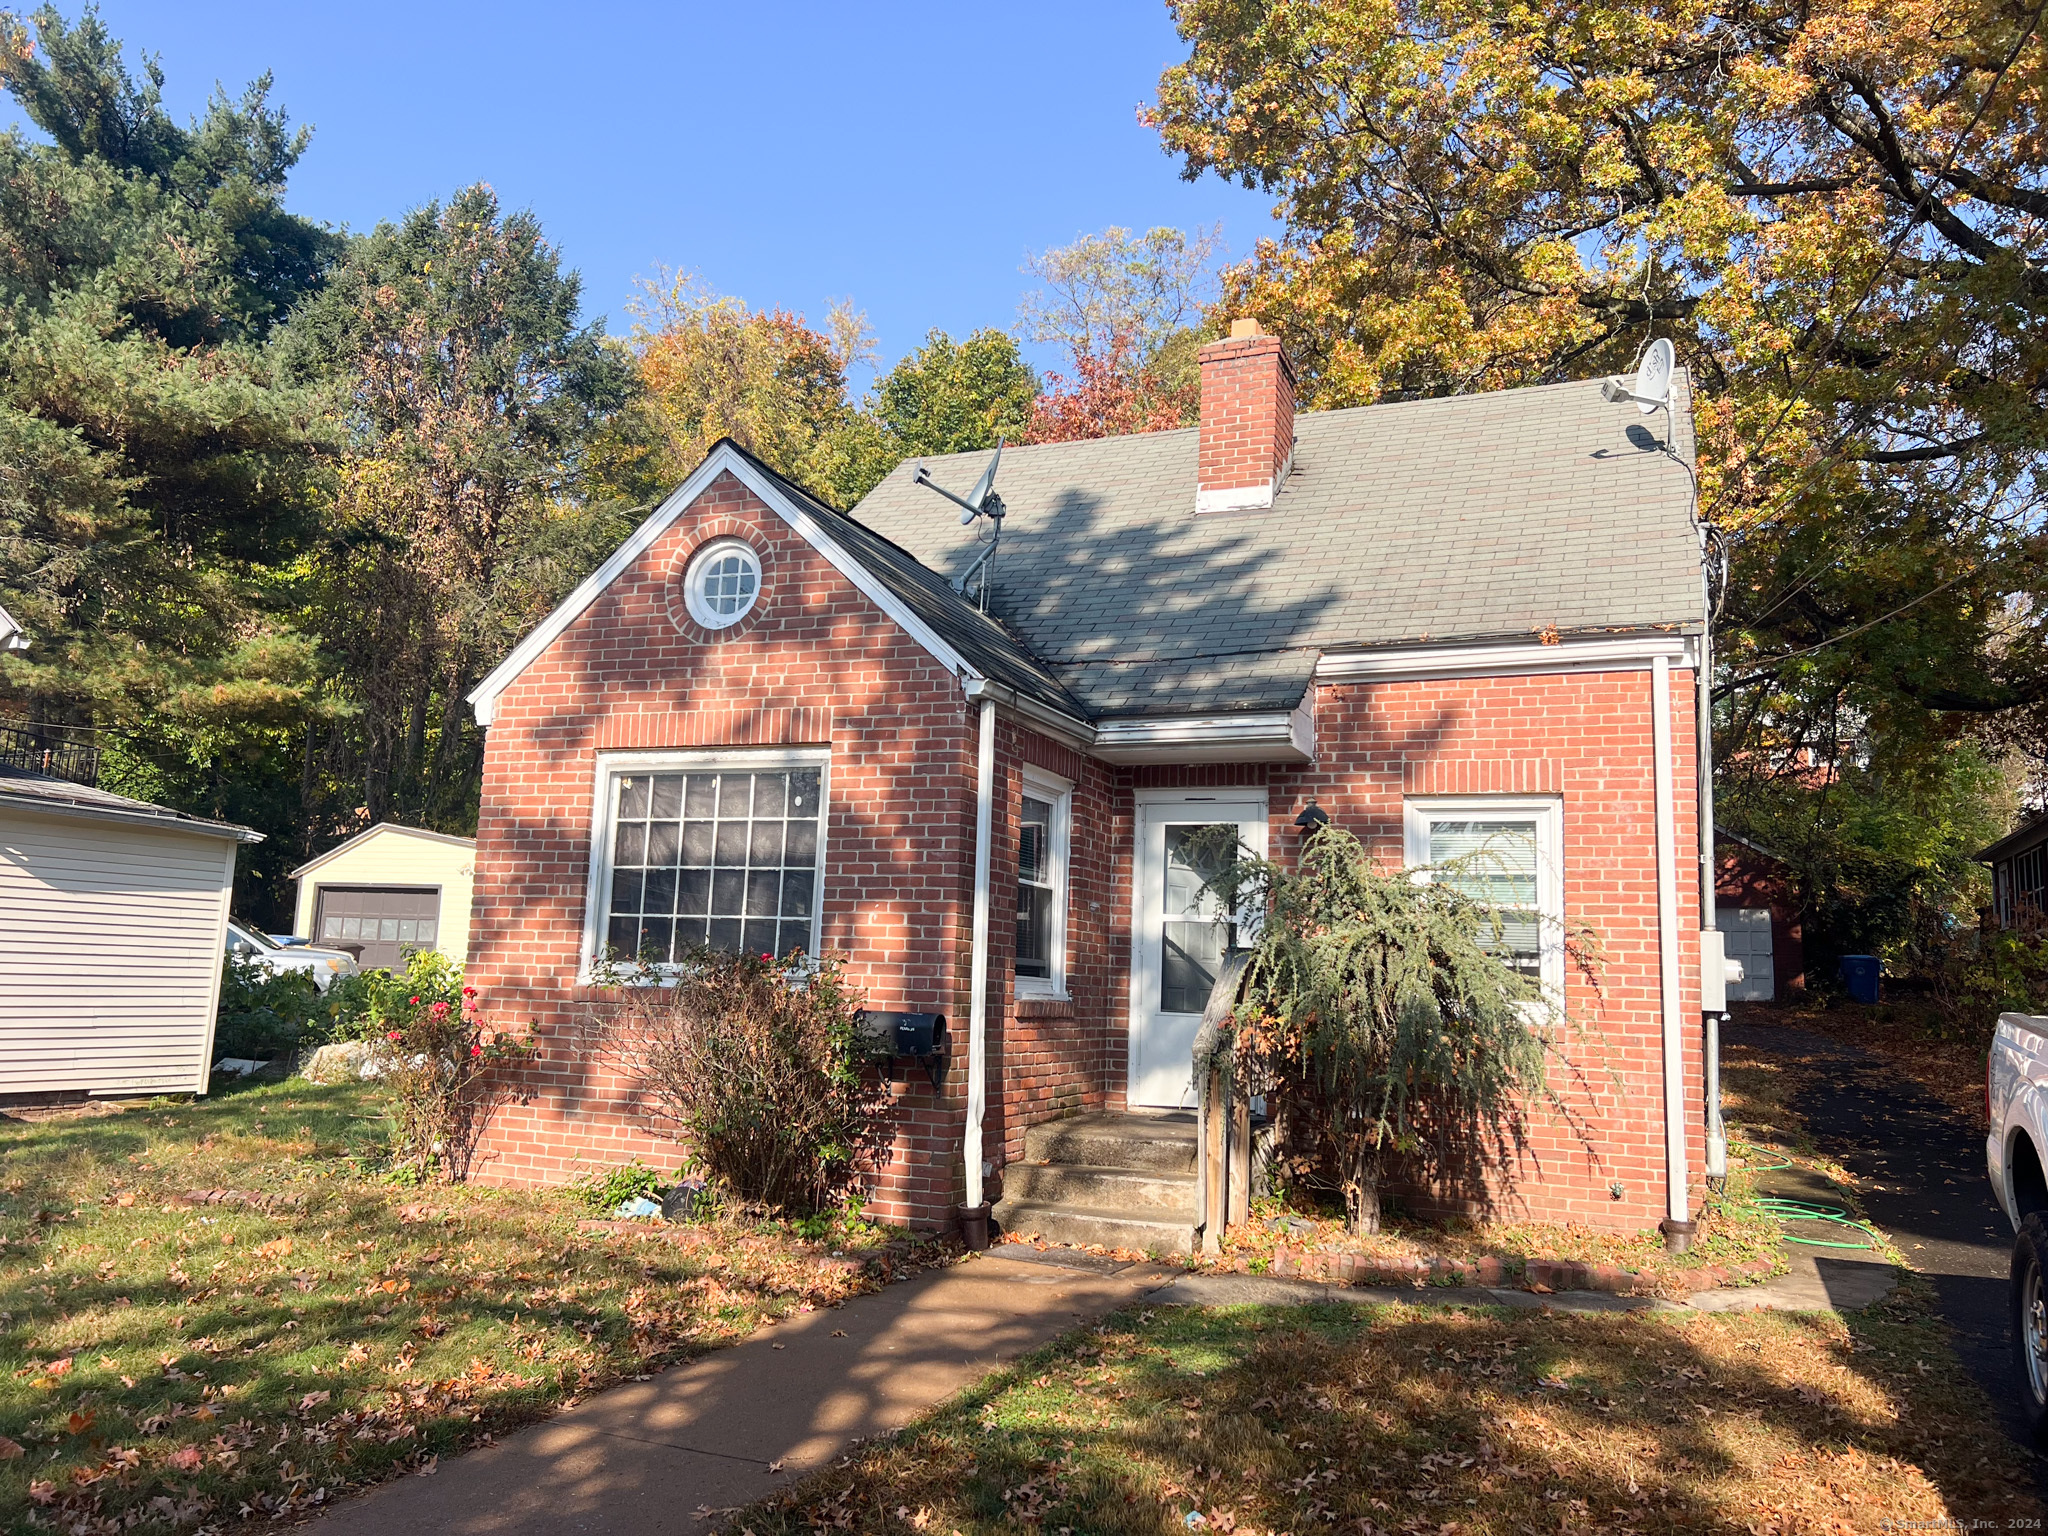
{"x": 1375, "y": 1008}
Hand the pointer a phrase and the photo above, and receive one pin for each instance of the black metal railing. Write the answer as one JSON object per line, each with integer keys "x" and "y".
{"x": 38, "y": 751}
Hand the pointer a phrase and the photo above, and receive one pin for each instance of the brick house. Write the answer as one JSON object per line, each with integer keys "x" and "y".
{"x": 766, "y": 722}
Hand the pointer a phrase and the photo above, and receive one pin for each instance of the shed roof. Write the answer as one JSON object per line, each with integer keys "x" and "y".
{"x": 1476, "y": 517}
{"x": 381, "y": 829}
{"x": 2032, "y": 829}
{"x": 39, "y": 792}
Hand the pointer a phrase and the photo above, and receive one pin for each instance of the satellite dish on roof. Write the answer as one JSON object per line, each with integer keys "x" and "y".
{"x": 982, "y": 501}
{"x": 1650, "y": 389}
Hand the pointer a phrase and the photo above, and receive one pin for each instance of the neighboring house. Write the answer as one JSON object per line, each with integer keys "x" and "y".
{"x": 387, "y": 892}
{"x": 1761, "y": 918}
{"x": 12, "y": 636}
{"x": 113, "y": 923}
{"x": 2019, "y": 872}
{"x": 766, "y": 724}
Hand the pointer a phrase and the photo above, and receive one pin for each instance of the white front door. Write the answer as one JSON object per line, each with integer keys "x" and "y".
{"x": 1178, "y": 936}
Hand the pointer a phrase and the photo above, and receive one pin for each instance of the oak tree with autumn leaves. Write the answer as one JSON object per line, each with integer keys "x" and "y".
{"x": 1835, "y": 208}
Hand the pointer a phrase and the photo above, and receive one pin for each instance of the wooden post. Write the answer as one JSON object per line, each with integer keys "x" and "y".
{"x": 1214, "y": 1172}
{"x": 1239, "y": 1201}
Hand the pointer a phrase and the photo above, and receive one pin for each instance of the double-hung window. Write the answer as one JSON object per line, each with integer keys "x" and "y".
{"x": 706, "y": 850}
{"x": 1042, "y": 846}
{"x": 1507, "y": 853}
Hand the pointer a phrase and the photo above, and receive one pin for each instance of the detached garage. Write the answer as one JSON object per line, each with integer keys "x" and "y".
{"x": 387, "y": 892}
{"x": 113, "y": 927}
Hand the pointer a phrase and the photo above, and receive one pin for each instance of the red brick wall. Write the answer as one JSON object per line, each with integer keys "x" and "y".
{"x": 815, "y": 664}
{"x": 1586, "y": 738}
{"x": 1247, "y": 413}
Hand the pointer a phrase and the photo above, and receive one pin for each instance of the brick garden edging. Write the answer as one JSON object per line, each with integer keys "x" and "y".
{"x": 1348, "y": 1268}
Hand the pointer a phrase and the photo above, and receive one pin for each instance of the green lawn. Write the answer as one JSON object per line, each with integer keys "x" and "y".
{"x": 1367, "y": 1420}
{"x": 319, "y": 1327}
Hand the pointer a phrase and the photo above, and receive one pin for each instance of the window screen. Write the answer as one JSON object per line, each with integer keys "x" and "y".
{"x": 1497, "y": 865}
{"x": 1035, "y": 889}
{"x": 725, "y": 860}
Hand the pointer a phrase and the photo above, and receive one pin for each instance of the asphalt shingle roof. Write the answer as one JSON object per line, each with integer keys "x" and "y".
{"x": 1491, "y": 516}
{"x": 983, "y": 642}
{"x": 38, "y": 791}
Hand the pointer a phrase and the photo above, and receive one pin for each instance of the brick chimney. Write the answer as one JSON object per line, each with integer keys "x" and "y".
{"x": 1247, "y": 421}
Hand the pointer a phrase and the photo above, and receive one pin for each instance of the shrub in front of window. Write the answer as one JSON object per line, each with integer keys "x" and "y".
{"x": 1377, "y": 1011}
{"x": 757, "y": 1066}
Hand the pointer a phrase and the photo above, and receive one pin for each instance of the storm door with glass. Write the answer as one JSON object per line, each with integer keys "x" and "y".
{"x": 1180, "y": 933}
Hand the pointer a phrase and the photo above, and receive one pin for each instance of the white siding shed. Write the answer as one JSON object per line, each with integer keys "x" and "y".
{"x": 113, "y": 922}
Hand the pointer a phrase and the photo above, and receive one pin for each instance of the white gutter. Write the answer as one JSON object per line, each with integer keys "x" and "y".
{"x": 1678, "y": 1223}
{"x": 1043, "y": 718}
{"x": 977, "y": 1006}
{"x": 1267, "y": 736}
{"x": 1504, "y": 658}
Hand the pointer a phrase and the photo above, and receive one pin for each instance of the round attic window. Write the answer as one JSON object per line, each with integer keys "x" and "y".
{"x": 722, "y": 583}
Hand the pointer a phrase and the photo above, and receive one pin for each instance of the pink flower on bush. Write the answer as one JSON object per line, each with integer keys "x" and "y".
{"x": 392, "y": 1034}
{"x": 439, "y": 1010}
{"x": 476, "y": 1050}
{"x": 415, "y": 1002}
{"x": 469, "y": 991}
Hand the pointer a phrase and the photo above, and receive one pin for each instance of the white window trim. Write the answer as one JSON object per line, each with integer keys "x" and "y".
{"x": 694, "y": 571}
{"x": 1548, "y": 813}
{"x": 610, "y": 765}
{"x": 1059, "y": 793}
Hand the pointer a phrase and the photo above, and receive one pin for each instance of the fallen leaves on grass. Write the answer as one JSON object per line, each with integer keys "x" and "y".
{"x": 1380, "y": 1420}
{"x": 191, "y": 1359}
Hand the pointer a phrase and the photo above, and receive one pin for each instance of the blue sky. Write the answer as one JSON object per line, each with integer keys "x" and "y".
{"x": 904, "y": 155}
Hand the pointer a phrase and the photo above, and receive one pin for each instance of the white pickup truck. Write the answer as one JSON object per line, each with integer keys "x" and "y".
{"x": 2016, "y": 1150}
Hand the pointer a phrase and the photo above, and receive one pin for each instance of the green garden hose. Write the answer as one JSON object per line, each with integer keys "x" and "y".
{"x": 1801, "y": 1210}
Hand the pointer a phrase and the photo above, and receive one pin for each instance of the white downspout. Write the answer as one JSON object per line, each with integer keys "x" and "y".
{"x": 1712, "y": 950}
{"x": 977, "y": 1006}
{"x": 1678, "y": 1223}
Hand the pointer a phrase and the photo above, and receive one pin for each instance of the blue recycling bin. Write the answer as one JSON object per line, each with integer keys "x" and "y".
{"x": 1859, "y": 974}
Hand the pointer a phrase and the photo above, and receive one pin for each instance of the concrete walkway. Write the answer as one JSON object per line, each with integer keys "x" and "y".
{"x": 743, "y": 1422}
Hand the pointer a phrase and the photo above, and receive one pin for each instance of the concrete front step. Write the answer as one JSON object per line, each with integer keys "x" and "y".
{"x": 1081, "y": 1225}
{"x": 1154, "y": 1143}
{"x": 1148, "y": 1195}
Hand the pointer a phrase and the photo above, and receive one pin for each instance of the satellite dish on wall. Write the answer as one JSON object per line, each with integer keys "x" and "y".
{"x": 1653, "y": 376}
{"x": 1651, "y": 387}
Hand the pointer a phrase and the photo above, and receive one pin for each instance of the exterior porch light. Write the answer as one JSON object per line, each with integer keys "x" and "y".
{"x": 1313, "y": 819}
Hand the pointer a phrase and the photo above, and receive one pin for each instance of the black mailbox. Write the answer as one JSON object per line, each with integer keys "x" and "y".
{"x": 920, "y": 1037}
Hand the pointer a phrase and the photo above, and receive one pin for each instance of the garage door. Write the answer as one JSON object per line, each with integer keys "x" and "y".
{"x": 380, "y": 926}
{"x": 1747, "y": 934}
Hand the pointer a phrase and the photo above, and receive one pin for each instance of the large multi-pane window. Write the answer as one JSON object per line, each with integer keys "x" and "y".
{"x": 723, "y": 856}
{"x": 1042, "y": 886}
{"x": 1504, "y": 853}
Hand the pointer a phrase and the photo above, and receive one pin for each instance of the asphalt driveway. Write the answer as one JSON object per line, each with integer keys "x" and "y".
{"x": 1920, "y": 1168}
